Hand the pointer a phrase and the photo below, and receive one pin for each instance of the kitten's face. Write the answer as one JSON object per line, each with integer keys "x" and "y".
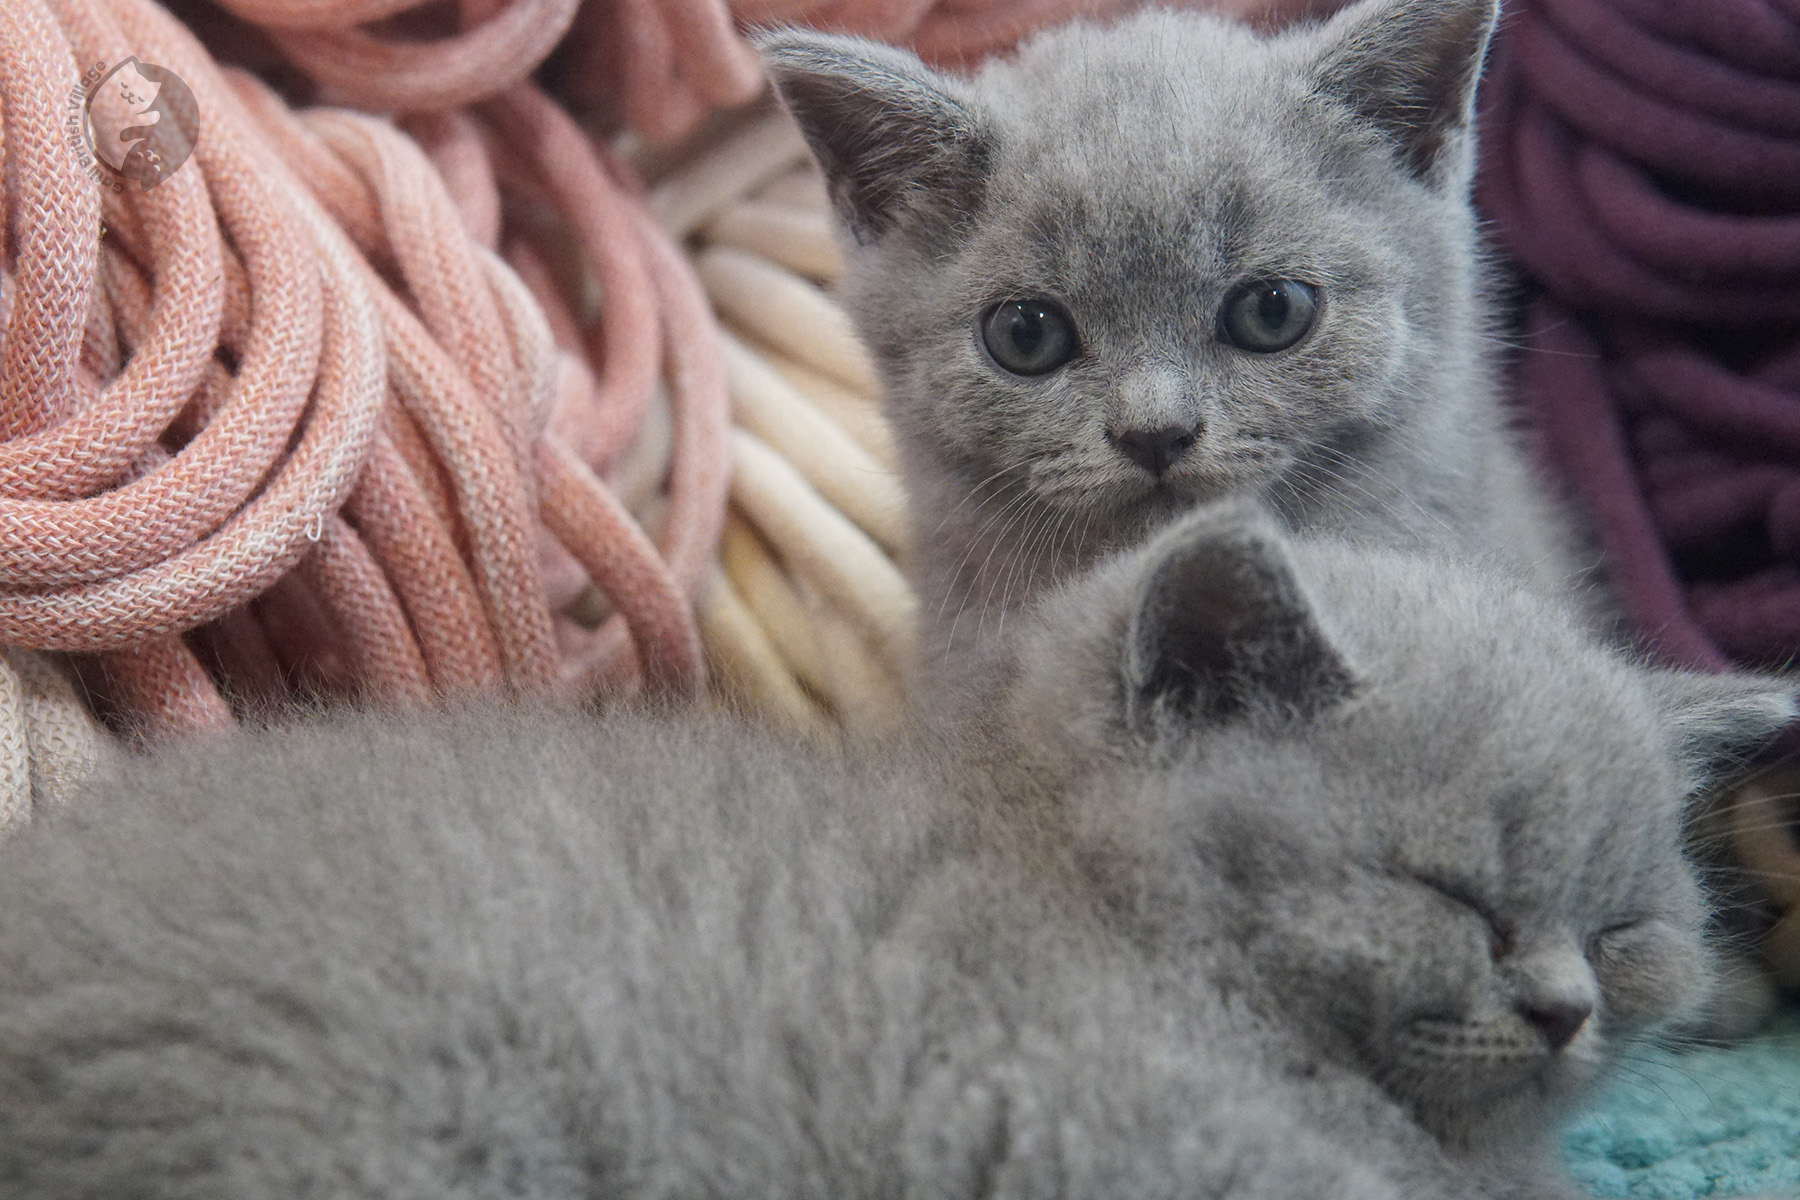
{"x": 1142, "y": 210}
{"x": 1442, "y": 827}
{"x": 1487, "y": 929}
{"x": 1151, "y": 264}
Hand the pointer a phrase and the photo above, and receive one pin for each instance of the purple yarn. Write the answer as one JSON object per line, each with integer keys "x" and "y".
{"x": 1641, "y": 164}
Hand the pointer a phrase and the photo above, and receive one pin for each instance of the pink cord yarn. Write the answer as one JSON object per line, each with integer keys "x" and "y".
{"x": 294, "y": 412}
{"x": 960, "y": 32}
{"x": 662, "y": 65}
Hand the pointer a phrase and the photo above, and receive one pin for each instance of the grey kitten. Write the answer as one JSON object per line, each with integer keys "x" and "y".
{"x": 1136, "y": 267}
{"x": 1187, "y": 914}
{"x": 515, "y": 955}
{"x": 1409, "y": 810}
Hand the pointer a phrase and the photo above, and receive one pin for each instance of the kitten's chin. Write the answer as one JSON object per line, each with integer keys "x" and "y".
{"x": 1164, "y": 501}
{"x": 1135, "y": 504}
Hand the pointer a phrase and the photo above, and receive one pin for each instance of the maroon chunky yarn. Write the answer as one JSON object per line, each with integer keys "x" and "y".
{"x": 1641, "y": 164}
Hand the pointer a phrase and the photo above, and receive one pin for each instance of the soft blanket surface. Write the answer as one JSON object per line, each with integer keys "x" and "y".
{"x": 1705, "y": 1122}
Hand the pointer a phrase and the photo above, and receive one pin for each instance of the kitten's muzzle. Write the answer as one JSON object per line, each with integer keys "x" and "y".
{"x": 1156, "y": 450}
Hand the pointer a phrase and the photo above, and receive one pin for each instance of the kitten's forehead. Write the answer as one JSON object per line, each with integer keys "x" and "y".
{"x": 1537, "y": 757}
{"x": 1205, "y": 75}
{"x": 1544, "y": 837}
{"x": 1173, "y": 155}
{"x": 1144, "y": 110}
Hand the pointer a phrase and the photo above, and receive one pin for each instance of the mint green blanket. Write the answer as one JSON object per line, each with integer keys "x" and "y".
{"x": 1707, "y": 1122}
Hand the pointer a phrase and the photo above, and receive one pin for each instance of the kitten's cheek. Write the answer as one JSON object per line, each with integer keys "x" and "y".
{"x": 1651, "y": 985}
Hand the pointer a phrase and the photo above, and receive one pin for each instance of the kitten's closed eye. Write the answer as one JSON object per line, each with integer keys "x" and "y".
{"x": 1029, "y": 337}
{"x": 1267, "y": 315}
{"x": 1500, "y": 934}
{"x": 1647, "y": 969}
{"x": 1613, "y": 937}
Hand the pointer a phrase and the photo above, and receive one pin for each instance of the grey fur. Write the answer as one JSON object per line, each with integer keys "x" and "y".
{"x": 1135, "y": 174}
{"x": 1472, "y": 734}
{"x": 1120, "y": 940}
{"x": 515, "y": 957}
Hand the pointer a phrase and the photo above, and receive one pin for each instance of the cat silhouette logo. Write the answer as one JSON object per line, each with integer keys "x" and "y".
{"x": 142, "y": 121}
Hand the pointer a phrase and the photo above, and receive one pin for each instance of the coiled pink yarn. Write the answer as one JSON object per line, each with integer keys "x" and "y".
{"x": 292, "y": 413}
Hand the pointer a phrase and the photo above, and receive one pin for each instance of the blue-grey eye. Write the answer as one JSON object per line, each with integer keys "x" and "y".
{"x": 1268, "y": 314}
{"x": 1029, "y": 337}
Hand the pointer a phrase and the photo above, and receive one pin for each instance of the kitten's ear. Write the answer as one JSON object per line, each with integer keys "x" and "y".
{"x": 1715, "y": 722}
{"x": 885, "y": 128}
{"x": 1221, "y": 623}
{"x": 1409, "y": 67}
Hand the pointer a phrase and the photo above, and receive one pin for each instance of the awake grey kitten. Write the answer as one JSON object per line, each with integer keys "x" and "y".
{"x": 1135, "y": 267}
{"x": 1271, "y": 871}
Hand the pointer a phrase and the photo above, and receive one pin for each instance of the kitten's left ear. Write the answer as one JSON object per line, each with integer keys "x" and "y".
{"x": 1221, "y": 623}
{"x": 885, "y": 128}
{"x": 1715, "y": 722}
{"x": 1409, "y": 67}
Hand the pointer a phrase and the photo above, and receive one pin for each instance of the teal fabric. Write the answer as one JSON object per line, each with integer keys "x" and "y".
{"x": 1705, "y": 1122}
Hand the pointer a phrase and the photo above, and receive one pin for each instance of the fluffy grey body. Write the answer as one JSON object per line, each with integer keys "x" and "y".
{"x": 503, "y": 957}
{"x": 1176, "y": 919}
{"x": 1138, "y": 178}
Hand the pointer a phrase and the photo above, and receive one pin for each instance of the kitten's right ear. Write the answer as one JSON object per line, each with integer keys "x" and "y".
{"x": 1221, "y": 623}
{"x": 1409, "y": 68}
{"x": 1716, "y": 722}
{"x": 884, "y": 127}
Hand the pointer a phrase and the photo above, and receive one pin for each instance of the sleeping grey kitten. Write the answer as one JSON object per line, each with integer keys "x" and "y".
{"x": 1136, "y": 267}
{"x": 1271, "y": 871}
{"x": 1412, "y": 810}
{"x": 512, "y": 956}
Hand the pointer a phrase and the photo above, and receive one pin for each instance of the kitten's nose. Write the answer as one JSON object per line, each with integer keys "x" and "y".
{"x": 1560, "y": 1020}
{"x": 1156, "y": 450}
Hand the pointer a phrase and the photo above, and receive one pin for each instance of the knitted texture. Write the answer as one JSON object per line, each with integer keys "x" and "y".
{"x": 1710, "y": 1122}
{"x": 959, "y": 32}
{"x": 296, "y": 395}
{"x": 48, "y": 739}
